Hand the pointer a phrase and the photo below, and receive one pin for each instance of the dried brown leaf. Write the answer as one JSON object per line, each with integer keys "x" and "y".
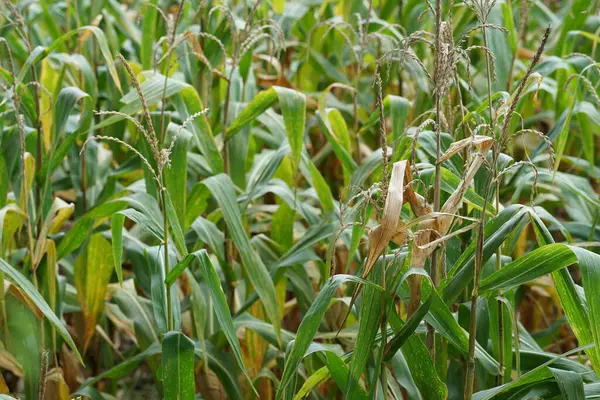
{"x": 456, "y": 147}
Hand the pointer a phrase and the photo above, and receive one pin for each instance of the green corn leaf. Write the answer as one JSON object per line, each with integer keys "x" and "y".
{"x": 199, "y": 312}
{"x": 397, "y": 108}
{"x": 538, "y": 374}
{"x": 152, "y": 85}
{"x": 570, "y": 384}
{"x": 541, "y": 261}
{"x": 27, "y": 287}
{"x": 420, "y": 365}
{"x": 149, "y": 25}
{"x": 4, "y": 181}
{"x": 310, "y": 324}
{"x": 187, "y": 103}
{"x": 126, "y": 366}
{"x": 321, "y": 187}
{"x": 293, "y": 109}
{"x": 222, "y": 190}
{"x": 178, "y": 367}
{"x": 407, "y": 329}
{"x": 67, "y": 98}
{"x": 176, "y": 174}
{"x": 337, "y": 135}
{"x": 589, "y": 264}
{"x": 571, "y": 300}
{"x": 146, "y": 222}
{"x": 499, "y": 44}
{"x": 40, "y": 53}
{"x": 368, "y": 325}
{"x": 335, "y": 366}
{"x": 221, "y": 309}
{"x": 116, "y": 229}
{"x": 261, "y": 103}
{"x": 218, "y": 297}
{"x": 341, "y": 375}
{"x": 176, "y": 229}
{"x": 561, "y": 142}
{"x": 336, "y": 130}
{"x": 496, "y": 231}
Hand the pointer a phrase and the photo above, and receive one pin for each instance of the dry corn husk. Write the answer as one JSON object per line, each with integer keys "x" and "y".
{"x": 433, "y": 231}
{"x": 432, "y": 227}
{"x": 388, "y": 229}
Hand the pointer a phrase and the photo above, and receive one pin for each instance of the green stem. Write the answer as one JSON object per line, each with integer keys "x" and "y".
{"x": 470, "y": 374}
{"x": 381, "y": 370}
{"x": 400, "y": 80}
{"x": 38, "y": 128}
{"x": 355, "y": 112}
{"x": 39, "y": 145}
{"x": 434, "y": 273}
{"x": 3, "y": 307}
{"x": 83, "y": 184}
{"x": 496, "y": 150}
{"x": 169, "y": 60}
{"x": 226, "y": 169}
{"x": 383, "y": 335}
{"x": 166, "y": 258}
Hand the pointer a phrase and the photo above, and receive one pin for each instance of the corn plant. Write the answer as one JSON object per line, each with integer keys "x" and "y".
{"x": 299, "y": 199}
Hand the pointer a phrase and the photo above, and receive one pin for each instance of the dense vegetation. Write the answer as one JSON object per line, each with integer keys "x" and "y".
{"x": 386, "y": 199}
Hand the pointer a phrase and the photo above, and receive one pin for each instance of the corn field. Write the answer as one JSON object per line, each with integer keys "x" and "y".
{"x": 299, "y": 199}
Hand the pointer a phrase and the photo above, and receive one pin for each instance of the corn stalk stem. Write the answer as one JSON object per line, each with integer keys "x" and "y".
{"x": 170, "y": 321}
{"x": 380, "y": 372}
{"x": 39, "y": 134}
{"x": 430, "y": 339}
{"x": 83, "y": 184}
{"x": 166, "y": 255}
{"x": 3, "y": 316}
{"x": 226, "y": 169}
{"x": 39, "y": 145}
{"x": 470, "y": 375}
{"x": 161, "y": 133}
{"x": 30, "y": 239}
{"x": 400, "y": 80}
{"x": 355, "y": 111}
{"x": 496, "y": 150}
{"x": 169, "y": 60}
{"x": 383, "y": 335}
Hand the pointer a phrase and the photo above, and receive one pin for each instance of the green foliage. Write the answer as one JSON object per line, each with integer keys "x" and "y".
{"x": 203, "y": 200}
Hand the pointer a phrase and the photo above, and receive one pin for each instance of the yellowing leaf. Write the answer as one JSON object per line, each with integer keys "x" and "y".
{"x": 93, "y": 269}
{"x": 49, "y": 79}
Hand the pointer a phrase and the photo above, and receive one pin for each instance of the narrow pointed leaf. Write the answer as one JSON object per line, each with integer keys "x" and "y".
{"x": 310, "y": 324}
{"x": 539, "y": 262}
{"x": 293, "y": 109}
{"x": 222, "y": 190}
{"x": 26, "y": 286}
{"x": 116, "y": 229}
